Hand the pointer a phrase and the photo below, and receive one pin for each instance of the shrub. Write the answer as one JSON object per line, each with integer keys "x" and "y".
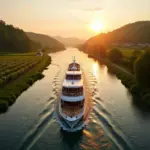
{"x": 142, "y": 69}
{"x": 125, "y": 62}
{"x": 115, "y": 55}
{"x": 144, "y": 92}
{"x": 134, "y": 89}
{"x": 37, "y": 76}
{"x": 146, "y": 98}
{"x": 3, "y": 105}
{"x": 30, "y": 81}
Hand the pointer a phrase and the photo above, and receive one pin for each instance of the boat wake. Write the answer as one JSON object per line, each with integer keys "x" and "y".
{"x": 103, "y": 118}
{"x": 82, "y": 123}
{"x": 45, "y": 117}
{"x": 97, "y": 123}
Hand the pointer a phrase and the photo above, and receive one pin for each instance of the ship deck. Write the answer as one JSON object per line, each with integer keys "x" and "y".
{"x": 72, "y": 111}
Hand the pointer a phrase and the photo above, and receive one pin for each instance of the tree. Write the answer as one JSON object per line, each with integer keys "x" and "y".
{"x": 135, "y": 55}
{"x": 102, "y": 51}
{"x": 15, "y": 40}
{"x": 115, "y": 55}
{"x": 142, "y": 69}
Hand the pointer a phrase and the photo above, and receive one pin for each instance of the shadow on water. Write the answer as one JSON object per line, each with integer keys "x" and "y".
{"x": 140, "y": 107}
{"x": 111, "y": 73}
{"x": 2, "y": 111}
{"x": 71, "y": 139}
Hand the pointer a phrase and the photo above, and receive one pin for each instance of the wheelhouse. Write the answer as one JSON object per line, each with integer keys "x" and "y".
{"x": 74, "y": 67}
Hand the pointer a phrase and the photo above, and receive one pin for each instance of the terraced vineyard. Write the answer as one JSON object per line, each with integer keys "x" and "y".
{"x": 11, "y": 67}
{"x": 17, "y": 73}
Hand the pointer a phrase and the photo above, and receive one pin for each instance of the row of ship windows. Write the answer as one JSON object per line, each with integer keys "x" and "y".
{"x": 73, "y": 77}
{"x": 72, "y": 90}
{"x": 64, "y": 103}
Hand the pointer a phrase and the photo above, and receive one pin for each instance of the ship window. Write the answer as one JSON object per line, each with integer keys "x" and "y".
{"x": 64, "y": 103}
{"x": 74, "y": 91}
{"x": 73, "y": 77}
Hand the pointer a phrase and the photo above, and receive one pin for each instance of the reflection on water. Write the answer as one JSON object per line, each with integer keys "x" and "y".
{"x": 95, "y": 69}
{"x": 72, "y": 140}
{"x": 113, "y": 123}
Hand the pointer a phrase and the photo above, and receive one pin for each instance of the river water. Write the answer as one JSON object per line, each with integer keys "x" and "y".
{"x": 114, "y": 122}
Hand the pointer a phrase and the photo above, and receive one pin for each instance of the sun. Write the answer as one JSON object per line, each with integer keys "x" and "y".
{"x": 97, "y": 26}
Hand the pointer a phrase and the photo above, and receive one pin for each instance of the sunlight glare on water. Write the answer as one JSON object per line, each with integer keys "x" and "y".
{"x": 95, "y": 69}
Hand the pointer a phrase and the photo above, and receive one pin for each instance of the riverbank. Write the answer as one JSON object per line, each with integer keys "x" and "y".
{"x": 23, "y": 78}
{"x": 139, "y": 93}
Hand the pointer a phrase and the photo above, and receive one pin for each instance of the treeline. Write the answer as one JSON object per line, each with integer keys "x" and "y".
{"x": 138, "y": 64}
{"x": 134, "y": 33}
{"x": 15, "y": 40}
{"x": 133, "y": 71}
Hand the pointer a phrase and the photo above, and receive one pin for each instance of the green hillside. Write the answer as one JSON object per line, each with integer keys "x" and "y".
{"x": 138, "y": 32}
{"x": 46, "y": 41}
{"x": 15, "y": 40}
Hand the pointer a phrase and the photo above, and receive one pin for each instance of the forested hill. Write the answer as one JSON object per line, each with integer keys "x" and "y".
{"x": 138, "y": 32}
{"x": 15, "y": 40}
{"x": 70, "y": 41}
{"x": 46, "y": 41}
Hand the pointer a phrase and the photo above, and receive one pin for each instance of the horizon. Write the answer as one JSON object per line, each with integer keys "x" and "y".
{"x": 43, "y": 17}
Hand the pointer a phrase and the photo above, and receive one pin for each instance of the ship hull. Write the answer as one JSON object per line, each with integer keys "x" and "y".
{"x": 71, "y": 125}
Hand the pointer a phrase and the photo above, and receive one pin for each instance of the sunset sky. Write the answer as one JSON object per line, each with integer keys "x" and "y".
{"x": 71, "y": 18}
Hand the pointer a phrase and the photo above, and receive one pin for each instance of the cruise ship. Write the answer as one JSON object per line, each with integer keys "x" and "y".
{"x": 71, "y": 104}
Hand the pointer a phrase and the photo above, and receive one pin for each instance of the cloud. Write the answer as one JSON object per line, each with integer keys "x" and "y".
{"x": 94, "y": 9}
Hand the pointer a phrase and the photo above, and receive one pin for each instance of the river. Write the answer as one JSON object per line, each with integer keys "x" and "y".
{"x": 115, "y": 121}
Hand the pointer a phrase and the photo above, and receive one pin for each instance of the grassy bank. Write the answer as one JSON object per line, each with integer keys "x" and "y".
{"x": 15, "y": 81}
{"x": 130, "y": 66}
{"x": 128, "y": 79}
